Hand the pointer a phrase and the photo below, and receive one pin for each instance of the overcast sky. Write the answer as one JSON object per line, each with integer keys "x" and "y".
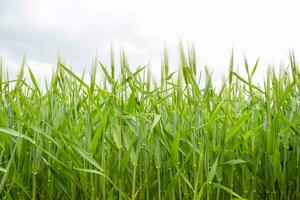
{"x": 77, "y": 30}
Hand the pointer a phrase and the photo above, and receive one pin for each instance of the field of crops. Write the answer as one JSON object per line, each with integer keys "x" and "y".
{"x": 121, "y": 135}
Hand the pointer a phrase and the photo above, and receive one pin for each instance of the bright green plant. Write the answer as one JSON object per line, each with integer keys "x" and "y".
{"x": 127, "y": 137}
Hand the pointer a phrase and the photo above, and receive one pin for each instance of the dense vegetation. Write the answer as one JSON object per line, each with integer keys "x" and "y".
{"x": 126, "y": 136}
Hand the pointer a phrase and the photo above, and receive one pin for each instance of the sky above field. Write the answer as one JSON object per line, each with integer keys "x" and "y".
{"x": 77, "y": 30}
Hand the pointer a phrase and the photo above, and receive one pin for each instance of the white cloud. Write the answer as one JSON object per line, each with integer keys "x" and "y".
{"x": 77, "y": 29}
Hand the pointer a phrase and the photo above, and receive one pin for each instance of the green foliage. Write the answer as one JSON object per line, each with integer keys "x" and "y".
{"x": 128, "y": 137}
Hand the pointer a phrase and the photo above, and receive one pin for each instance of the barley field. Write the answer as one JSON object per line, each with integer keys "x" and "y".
{"x": 123, "y": 135}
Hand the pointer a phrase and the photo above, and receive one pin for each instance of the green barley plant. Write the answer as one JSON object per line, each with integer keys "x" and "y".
{"x": 125, "y": 136}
